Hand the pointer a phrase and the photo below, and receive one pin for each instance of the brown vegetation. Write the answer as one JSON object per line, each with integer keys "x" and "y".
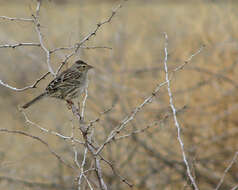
{"x": 204, "y": 94}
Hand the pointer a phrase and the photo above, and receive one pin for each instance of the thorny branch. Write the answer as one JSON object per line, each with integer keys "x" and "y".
{"x": 78, "y": 45}
{"x": 82, "y": 47}
{"x": 82, "y": 126}
{"x": 155, "y": 123}
{"x": 189, "y": 59}
{"x": 27, "y": 87}
{"x": 98, "y": 170}
{"x": 39, "y": 140}
{"x": 27, "y": 120}
{"x": 148, "y": 100}
{"x": 80, "y": 167}
{"x": 19, "y": 45}
{"x": 31, "y": 184}
{"x": 124, "y": 180}
{"x": 92, "y": 122}
{"x": 88, "y": 144}
{"x": 125, "y": 121}
{"x": 36, "y": 20}
{"x": 226, "y": 170}
{"x": 84, "y": 129}
{"x": 84, "y": 101}
{"x": 16, "y": 19}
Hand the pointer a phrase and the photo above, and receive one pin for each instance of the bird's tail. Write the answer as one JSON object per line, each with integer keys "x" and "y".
{"x": 34, "y": 100}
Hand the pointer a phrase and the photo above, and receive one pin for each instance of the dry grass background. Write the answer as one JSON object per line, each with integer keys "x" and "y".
{"x": 205, "y": 91}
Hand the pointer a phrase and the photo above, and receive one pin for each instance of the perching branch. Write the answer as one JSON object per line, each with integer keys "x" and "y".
{"x": 88, "y": 144}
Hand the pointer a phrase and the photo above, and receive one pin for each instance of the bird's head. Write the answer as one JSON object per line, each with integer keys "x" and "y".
{"x": 81, "y": 66}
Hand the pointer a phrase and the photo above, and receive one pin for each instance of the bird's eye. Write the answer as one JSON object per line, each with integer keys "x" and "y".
{"x": 84, "y": 66}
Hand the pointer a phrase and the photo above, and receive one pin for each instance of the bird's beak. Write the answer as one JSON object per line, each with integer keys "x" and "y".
{"x": 90, "y": 67}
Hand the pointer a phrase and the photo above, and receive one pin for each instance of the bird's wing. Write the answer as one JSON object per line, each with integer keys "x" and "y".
{"x": 66, "y": 78}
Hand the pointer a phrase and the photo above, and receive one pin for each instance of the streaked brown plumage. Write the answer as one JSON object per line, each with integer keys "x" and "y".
{"x": 68, "y": 85}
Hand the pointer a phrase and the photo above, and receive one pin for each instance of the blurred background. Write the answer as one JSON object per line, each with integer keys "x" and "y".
{"x": 204, "y": 92}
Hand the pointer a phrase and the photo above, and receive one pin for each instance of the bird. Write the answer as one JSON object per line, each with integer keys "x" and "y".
{"x": 68, "y": 85}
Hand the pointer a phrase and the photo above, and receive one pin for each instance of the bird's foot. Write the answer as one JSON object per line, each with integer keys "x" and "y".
{"x": 69, "y": 104}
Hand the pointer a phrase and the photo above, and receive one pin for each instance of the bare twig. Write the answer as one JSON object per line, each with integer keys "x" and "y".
{"x": 16, "y": 19}
{"x": 19, "y": 45}
{"x": 40, "y": 36}
{"x": 216, "y": 75}
{"x": 82, "y": 171}
{"x": 235, "y": 187}
{"x": 84, "y": 101}
{"x": 138, "y": 131}
{"x": 77, "y": 163}
{"x": 116, "y": 173}
{"x": 32, "y": 184}
{"x": 27, "y": 120}
{"x": 132, "y": 116}
{"x": 189, "y": 59}
{"x": 62, "y": 48}
{"x": 40, "y": 140}
{"x": 82, "y": 47}
{"x": 175, "y": 116}
{"x": 92, "y": 122}
{"x": 148, "y": 126}
{"x": 125, "y": 121}
{"x": 82, "y": 126}
{"x": 78, "y": 45}
{"x": 27, "y": 87}
{"x": 88, "y": 144}
{"x": 95, "y": 47}
{"x": 89, "y": 184}
{"x": 82, "y": 167}
{"x": 100, "y": 24}
{"x": 226, "y": 170}
{"x": 98, "y": 169}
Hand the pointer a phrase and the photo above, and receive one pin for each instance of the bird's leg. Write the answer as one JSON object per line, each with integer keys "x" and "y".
{"x": 81, "y": 117}
{"x": 79, "y": 107}
{"x": 69, "y": 104}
